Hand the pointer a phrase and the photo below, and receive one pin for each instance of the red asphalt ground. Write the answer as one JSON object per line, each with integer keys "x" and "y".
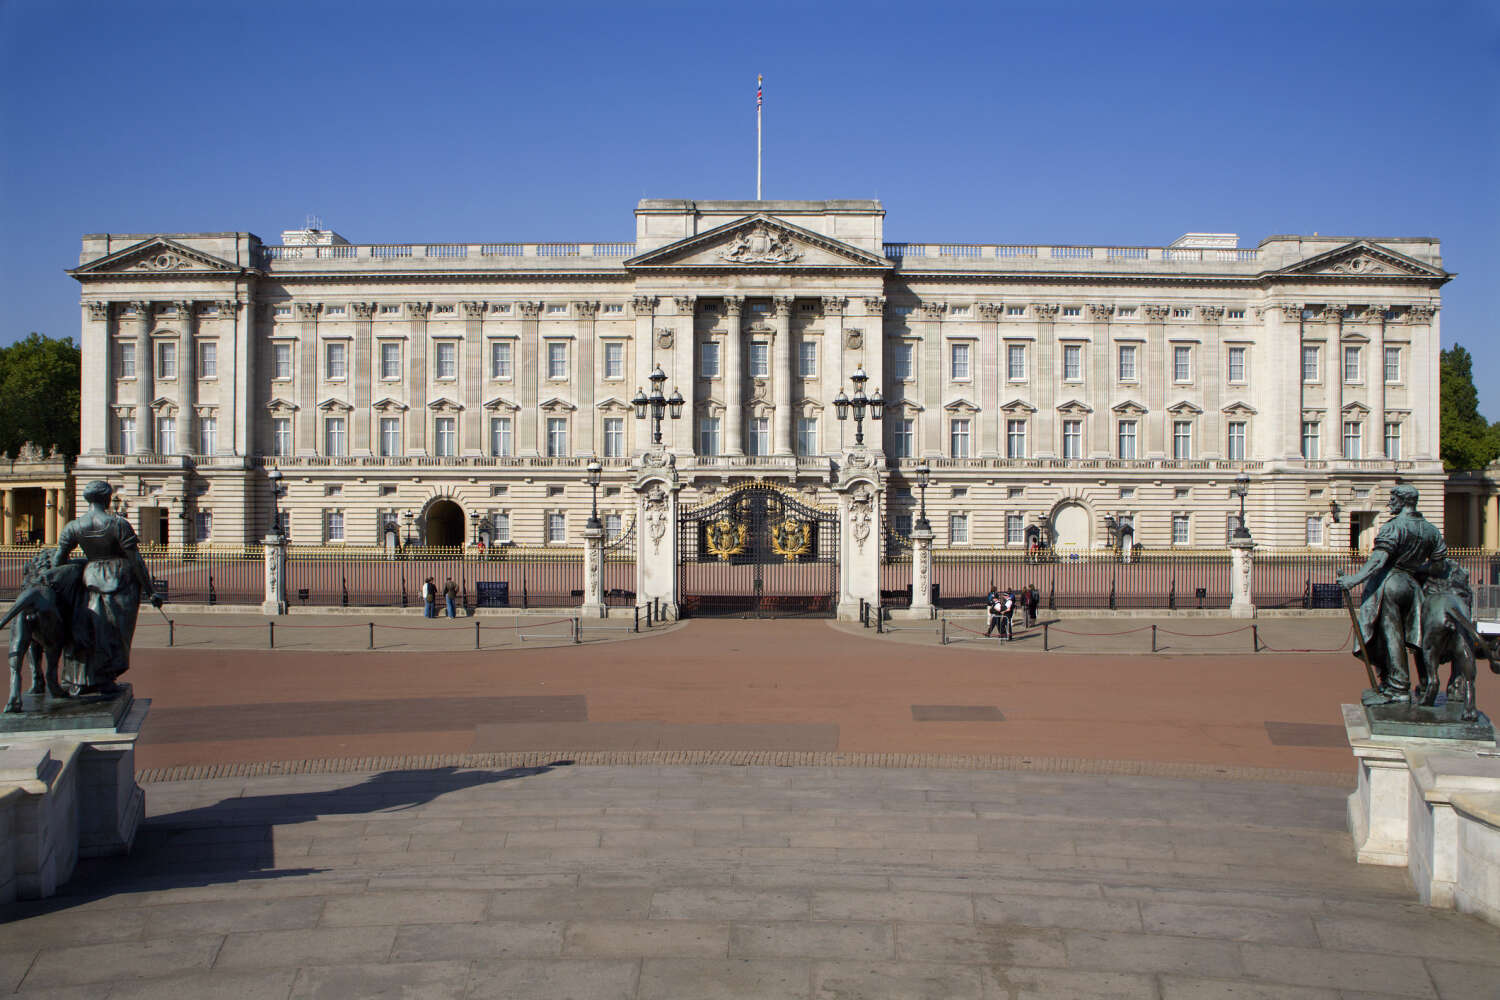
{"x": 803, "y": 685}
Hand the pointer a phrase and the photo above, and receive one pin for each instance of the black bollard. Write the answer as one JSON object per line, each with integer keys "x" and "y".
{"x": 272, "y": 632}
{"x": 372, "y": 635}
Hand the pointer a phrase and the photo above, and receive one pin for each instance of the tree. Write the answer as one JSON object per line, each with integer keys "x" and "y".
{"x": 39, "y": 394}
{"x": 1468, "y": 440}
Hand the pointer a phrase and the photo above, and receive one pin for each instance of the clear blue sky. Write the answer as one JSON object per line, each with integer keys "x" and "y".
{"x": 1065, "y": 122}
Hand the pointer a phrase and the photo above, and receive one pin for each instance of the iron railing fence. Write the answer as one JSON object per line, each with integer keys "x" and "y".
{"x": 619, "y": 569}
{"x": 1308, "y": 578}
{"x": 514, "y": 576}
{"x": 188, "y": 574}
{"x": 1085, "y": 579}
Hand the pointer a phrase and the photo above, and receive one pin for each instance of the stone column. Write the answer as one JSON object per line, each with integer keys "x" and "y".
{"x": 589, "y": 372}
{"x": 1241, "y": 577}
{"x": 593, "y": 571}
{"x": 1211, "y": 378}
{"x": 679, "y": 435}
{"x": 364, "y": 372}
{"x": 10, "y": 518}
{"x": 236, "y": 369}
{"x": 859, "y": 493}
{"x": 989, "y": 389}
{"x": 1155, "y": 372}
{"x": 305, "y": 428}
{"x": 1099, "y": 378}
{"x": 1492, "y": 523}
{"x": 187, "y": 379}
{"x": 474, "y": 361}
{"x": 868, "y": 350}
{"x": 419, "y": 374}
{"x": 1375, "y": 379}
{"x": 831, "y": 376}
{"x": 145, "y": 372}
{"x": 274, "y": 548}
{"x": 934, "y": 436}
{"x": 1287, "y": 386}
{"x": 49, "y": 519}
{"x": 98, "y": 380}
{"x": 782, "y": 375}
{"x": 734, "y": 378}
{"x": 529, "y": 362}
{"x": 1044, "y": 387}
{"x": 656, "y": 490}
{"x": 1333, "y": 316}
{"x": 921, "y": 573}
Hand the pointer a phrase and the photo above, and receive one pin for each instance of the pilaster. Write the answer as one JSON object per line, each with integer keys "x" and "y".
{"x": 1211, "y": 375}
{"x": 679, "y": 435}
{"x": 1155, "y": 375}
{"x": 989, "y": 383}
{"x": 419, "y": 374}
{"x": 364, "y": 370}
{"x": 734, "y": 377}
{"x": 306, "y": 428}
{"x": 587, "y": 376}
{"x": 831, "y": 374}
{"x": 145, "y": 375}
{"x": 1099, "y": 374}
{"x": 187, "y": 378}
{"x": 1375, "y": 374}
{"x": 98, "y": 379}
{"x": 782, "y": 376}
{"x": 235, "y": 379}
{"x": 930, "y": 379}
{"x": 1333, "y": 381}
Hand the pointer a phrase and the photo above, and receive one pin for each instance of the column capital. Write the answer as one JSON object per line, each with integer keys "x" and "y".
{"x": 833, "y": 305}
{"x": 586, "y": 310}
{"x": 733, "y": 304}
{"x": 475, "y": 310}
{"x": 307, "y": 311}
{"x": 1291, "y": 312}
{"x": 419, "y": 310}
{"x": 1100, "y": 312}
{"x": 933, "y": 310}
{"x": 529, "y": 310}
{"x": 783, "y": 305}
{"x": 1047, "y": 311}
{"x": 1155, "y": 311}
{"x": 98, "y": 311}
{"x": 644, "y": 305}
{"x": 1420, "y": 314}
{"x": 186, "y": 308}
{"x": 1333, "y": 312}
{"x": 226, "y": 308}
{"x": 140, "y": 310}
{"x": 1375, "y": 313}
{"x": 685, "y": 304}
{"x": 989, "y": 311}
{"x": 1211, "y": 314}
{"x": 875, "y": 305}
{"x": 362, "y": 310}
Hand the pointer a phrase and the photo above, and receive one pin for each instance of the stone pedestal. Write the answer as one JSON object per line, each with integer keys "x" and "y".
{"x": 274, "y": 547}
{"x": 656, "y": 490}
{"x": 921, "y": 571}
{"x": 860, "y": 492}
{"x": 1241, "y": 576}
{"x": 593, "y": 571}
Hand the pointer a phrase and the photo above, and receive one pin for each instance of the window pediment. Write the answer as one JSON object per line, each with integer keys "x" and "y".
{"x": 332, "y": 405}
{"x": 281, "y": 406}
{"x": 387, "y": 405}
{"x": 557, "y": 405}
{"x": 1356, "y": 409}
{"x": 1239, "y": 409}
{"x": 445, "y": 405}
{"x": 1184, "y": 408}
{"x": 613, "y": 404}
{"x": 960, "y": 405}
{"x": 1018, "y": 406}
{"x": 1130, "y": 407}
{"x": 164, "y": 407}
{"x": 1074, "y": 406}
{"x": 501, "y": 403}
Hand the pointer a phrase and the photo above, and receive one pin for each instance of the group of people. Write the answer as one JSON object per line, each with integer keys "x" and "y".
{"x": 430, "y": 595}
{"x": 1002, "y": 607}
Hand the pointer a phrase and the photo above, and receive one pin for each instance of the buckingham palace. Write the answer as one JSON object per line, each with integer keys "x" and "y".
{"x": 445, "y": 393}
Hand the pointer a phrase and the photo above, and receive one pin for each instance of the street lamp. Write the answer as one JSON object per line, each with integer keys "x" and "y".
{"x": 409, "y": 516}
{"x": 924, "y": 476}
{"x": 596, "y": 473}
{"x": 842, "y": 403}
{"x": 657, "y": 402}
{"x": 474, "y": 527}
{"x": 277, "y": 491}
{"x": 1240, "y": 488}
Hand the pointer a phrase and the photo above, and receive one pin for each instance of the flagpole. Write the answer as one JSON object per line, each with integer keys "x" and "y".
{"x": 758, "y": 81}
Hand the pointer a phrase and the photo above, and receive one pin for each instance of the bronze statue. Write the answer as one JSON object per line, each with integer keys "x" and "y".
{"x": 43, "y": 621}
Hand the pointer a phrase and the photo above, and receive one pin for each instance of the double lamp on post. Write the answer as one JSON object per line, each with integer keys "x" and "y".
{"x": 924, "y": 476}
{"x": 842, "y": 404}
{"x": 595, "y": 475}
{"x": 277, "y": 492}
{"x": 1240, "y": 488}
{"x": 658, "y": 403}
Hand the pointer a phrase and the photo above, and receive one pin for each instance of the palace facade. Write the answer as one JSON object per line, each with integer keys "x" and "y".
{"x": 443, "y": 392}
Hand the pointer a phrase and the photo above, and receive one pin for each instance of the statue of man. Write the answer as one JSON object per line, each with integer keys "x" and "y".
{"x": 1408, "y": 549}
{"x": 115, "y": 579}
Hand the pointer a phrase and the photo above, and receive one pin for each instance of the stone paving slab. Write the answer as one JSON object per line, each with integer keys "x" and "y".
{"x": 1025, "y": 912}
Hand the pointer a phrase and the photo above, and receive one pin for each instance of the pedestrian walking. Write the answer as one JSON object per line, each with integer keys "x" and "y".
{"x": 450, "y": 594}
{"x": 1007, "y": 617}
{"x": 429, "y": 598}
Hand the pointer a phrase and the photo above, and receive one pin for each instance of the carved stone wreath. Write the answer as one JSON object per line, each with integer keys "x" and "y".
{"x": 166, "y": 260}
{"x": 664, "y": 339}
{"x": 854, "y": 340}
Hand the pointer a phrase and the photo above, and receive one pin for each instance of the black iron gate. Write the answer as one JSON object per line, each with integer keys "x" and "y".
{"x": 758, "y": 551}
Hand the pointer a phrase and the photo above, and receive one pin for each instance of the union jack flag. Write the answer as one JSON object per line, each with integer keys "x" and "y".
{"x": 759, "y": 80}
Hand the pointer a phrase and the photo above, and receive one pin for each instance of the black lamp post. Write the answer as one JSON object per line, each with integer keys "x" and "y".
{"x": 277, "y": 491}
{"x": 474, "y": 527}
{"x": 658, "y": 403}
{"x": 596, "y": 472}
{"x": 924, "y": 476}
{"x": 842, "y": 403}
{"x": 1240, "y": 488}
{"x": 408, "y": 517}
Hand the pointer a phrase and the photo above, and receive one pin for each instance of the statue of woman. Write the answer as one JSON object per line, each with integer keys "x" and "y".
{"x": 115, "y": 580}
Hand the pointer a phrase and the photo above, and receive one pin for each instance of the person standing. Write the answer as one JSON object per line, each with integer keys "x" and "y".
{"x": 450, "y": 594}
{"x": 1007, "y": 616}
{"x": 429, "y": 598}
{"x": 992, "y": 610}
{"x": 1033, "y": 601}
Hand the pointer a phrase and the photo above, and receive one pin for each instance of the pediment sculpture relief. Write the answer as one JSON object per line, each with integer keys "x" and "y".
{"x": 761, "y": 246}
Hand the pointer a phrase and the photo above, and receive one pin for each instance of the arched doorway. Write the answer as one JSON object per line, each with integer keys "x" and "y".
{"x": 445, "y": 524}
{"x": 1070, "y": 526}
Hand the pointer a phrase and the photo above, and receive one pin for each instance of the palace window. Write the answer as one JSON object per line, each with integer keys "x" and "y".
{"x": 390, "y": 309}
{"x": 445, "y": 437}
{"x": 759, "y": 442}
{"x": 557, "y": 359}
{"x": 708, "y": 436}
{"x": 335, "y": 311}
{"x": 166, "y": 360}
{"x": 127, "y": 435}
{"x": 613, "y": 525}
{"x": 208, "y": 435}
{"x": 1015, "y": 529}
{"x": 1182, "y": 439}
{"x": 612, "y": 309}
{"x": 557, "y": 437}
{"x": 614, "y": 359}
{"x": 1235, "y": 450}
{"x": 500, "y": 527}
{"x": 447, "y": 359}
{"x": 1179, "y": 529}
{"x": 807, "y": 435}
{"x": 1235, "y": 314}
{"x": 335, "y": 366}
{"x": 1127, "y": 363}
{"x": 281, "y": 436}
{"x": 1125, "y": 312}
{"x": 1015, "y": 310}
{"x": 1309, "y": 363}
{"x": 203, "y": 525}
{"x": 1072, "y": 310}
{"x": 958, "y": 310}
{"x": 1393, "y": 442}
{"x": 1015, "y": 362}
{"x": 390, "y": 437}
{"x": 1352, "y": 365}
{"x": 1182, "y": 364}
{"x": 1310, "y": 434}
{"x": 1182, "y": 314}
{"x": 500, "y": 437}
{"x": 335, "y": 441}
{"x": 208, "y": 359}
{"x": 708, "y": 359}
{"x": 1015, "y": 439}
{"x": 500, "y": 359}
{"x": 614, "y": 437}
{"x": 958, "y": 529}
{"x": 556, "y": 309}
{"x": 959, "y": 353}
{"x": 1392, "y": 365}
{"x": 127, "y": 361}
{"x": 807, "y": 359}
{"x": 166, "y": 435}
{"x": 1127, "y": 438}
{"x": 1072, "y": 362}
{"x": 390, "y": 360}
{"x": 557, "y": 527}
{"x": 1236, "y": 364}
{"x": 1072, "y": 439}
{"x": 333, "y": 526}
{"x": 958, "y": 438}
{"x": 901, "y": 362}
{"x": 903, "y": 436}
{"x": 1353, "y": 432}
{"x": 760, "y": 364}
{"x": 281, "y": 361}
{"x": 1314, "y": 535}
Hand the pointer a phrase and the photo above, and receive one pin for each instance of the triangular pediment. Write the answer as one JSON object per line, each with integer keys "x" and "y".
{"x": 758, "y": 242}
{"x": 157, "y": 255}
{"x": 960, "y": 405}
{"x": 445, "y": 404}
{"x": 614, "y": 404}
{"x": 1018, "y": 406}
{"x": 1129, "y": 406}
{"x": 556, "y": 405}
{"x": 333, "y": 404}
{"x": 1239, "y": 408}
{"x": 500, "y": 403}
{"x": 386, "y": 404}
{"x": 1362, "y": 259}
{"x": 1075, "y": 406}
{"x": 279, "y": 405}
{"x": 1184, "y": 407}
{"x": 1356, "y": 409}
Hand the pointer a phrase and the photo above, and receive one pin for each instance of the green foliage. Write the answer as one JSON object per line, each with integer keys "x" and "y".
{"x": 1468, "y": 440}
{"x": 39, "y": 394}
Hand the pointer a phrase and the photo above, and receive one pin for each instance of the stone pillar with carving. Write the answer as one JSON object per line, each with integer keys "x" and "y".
{"x": 1375, "y": 375}
{"x": 187, "y": 378}
{"x": 590, "y": 370}
{"x": 1241, "y": 576}
{"x": 419, "y": 376}
{"x": 145, "y": 370}
{"x": 274, "y": 549}
{"x": 1212, "y": 373}
{"x": 921, "y": 571}
{"x": 656, "y": 489}
{"x": 830, "y": 372}
{"x": 1155, "y": 373}
{"x": 989, "y": 387}
{"x": 734, "y": 377}
{"x": 781, "y": 378}
{"x": 98, "y": 380}
{"x": 593, "y": 571}
{"x": 678, "y": 434}
{"x": 931, "y": 358}
{"x": 307, "y": 429}
{"x": 1333, "y": 378}
{"x": 364, "y": 374}
{"x": 860, "y": 492}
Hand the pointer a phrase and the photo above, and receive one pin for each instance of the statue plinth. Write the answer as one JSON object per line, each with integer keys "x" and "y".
{"x": 1442, "y": 721}
{"x": 41, "y": 713}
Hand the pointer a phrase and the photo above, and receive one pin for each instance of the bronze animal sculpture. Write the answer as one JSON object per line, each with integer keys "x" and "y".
{"x": 42, "y": 619}
{"x": 1448, "y": 634}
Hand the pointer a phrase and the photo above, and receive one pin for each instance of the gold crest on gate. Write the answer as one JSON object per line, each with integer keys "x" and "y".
{"x": 791, "y": 538}
{"x": 725, "y": 538}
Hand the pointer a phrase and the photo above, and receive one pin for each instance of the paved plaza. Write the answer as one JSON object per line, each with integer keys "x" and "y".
{"x": 889, "y": 817}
